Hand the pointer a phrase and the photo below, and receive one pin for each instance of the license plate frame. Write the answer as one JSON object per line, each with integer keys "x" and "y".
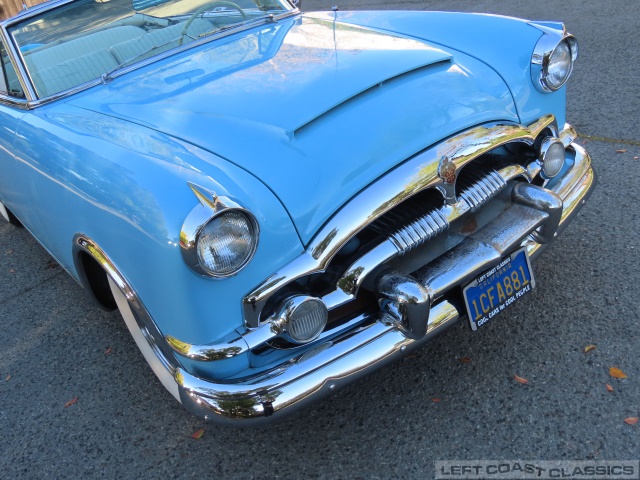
{"x": 493, "y": 285}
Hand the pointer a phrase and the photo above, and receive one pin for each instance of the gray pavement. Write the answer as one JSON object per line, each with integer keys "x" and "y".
{"x": 387, "y": 425}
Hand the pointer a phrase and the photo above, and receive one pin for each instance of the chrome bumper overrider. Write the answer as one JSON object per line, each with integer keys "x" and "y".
{"x": 413, "y": 309}
{"x": 383, "y": 338}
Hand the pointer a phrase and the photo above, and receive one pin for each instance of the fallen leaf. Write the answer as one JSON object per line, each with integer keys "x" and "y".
{"x": 198, "y": 434}
{"x": 617, "y": 373}
{"x": 71, "y": 402}
{"x": 464, "y": 360}
{"x": 608, "y": 387}
{"x": 636, "y": 158}
{"x": 108, "y": 351}
{"x": 12, "y": 271}
{"x": 521, "y": 380}
{"x": 435, "y": 400}
{"x": 631, "y": 420}
{"x": 588, "y": 348}
{"x": 8, "y": 378}
{"x": 9, "y": 252}
{"x": 622, "y": 150}
{"x": 411, "y": 357}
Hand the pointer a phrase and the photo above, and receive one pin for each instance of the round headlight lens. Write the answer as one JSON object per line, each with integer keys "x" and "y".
{"x": 559, "y": 67}
{"x": 226, "y": 243}
{"x": 552, "y": 156}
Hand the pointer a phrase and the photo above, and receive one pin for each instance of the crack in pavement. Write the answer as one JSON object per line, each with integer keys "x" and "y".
{"x": 609, "y": 140}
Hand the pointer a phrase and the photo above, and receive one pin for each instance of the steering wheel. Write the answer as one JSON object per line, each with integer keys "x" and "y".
{"x": 208, "y": 6}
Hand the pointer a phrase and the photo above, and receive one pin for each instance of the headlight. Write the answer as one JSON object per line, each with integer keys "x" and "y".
{"x": 226, "y": 243}
{"x": 219, "y": 237}
{"x": 552, "y": 61}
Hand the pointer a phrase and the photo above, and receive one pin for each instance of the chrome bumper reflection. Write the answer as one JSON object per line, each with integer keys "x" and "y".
{"x": 380, "y": 339}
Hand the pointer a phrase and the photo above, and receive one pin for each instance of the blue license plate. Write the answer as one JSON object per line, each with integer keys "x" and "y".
{"x": 498, "y": 287}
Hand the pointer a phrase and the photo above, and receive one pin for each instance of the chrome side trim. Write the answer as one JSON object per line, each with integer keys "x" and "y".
{"x": 413, "y": 176}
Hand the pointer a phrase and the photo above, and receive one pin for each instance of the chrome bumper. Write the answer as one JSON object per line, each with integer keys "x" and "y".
{"x": 381, "y": 338}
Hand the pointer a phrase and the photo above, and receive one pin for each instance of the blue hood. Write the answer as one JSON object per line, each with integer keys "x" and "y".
{"x": 314, "y": 109}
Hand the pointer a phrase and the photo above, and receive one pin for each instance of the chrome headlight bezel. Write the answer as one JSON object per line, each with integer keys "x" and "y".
{"x": 543, "y": 53}
{"x": 211, "y": 207}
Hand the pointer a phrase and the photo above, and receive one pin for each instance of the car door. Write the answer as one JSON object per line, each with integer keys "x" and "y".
{"x": 13, "y": 107}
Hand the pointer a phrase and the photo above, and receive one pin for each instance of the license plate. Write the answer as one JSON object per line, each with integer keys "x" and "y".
{"x": 498, "y": 287}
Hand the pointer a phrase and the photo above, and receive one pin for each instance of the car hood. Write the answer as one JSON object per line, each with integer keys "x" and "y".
{"x": 315, "y": 109}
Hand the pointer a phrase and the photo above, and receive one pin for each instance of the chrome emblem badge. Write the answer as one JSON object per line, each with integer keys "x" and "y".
{"x": 447, "y": 170}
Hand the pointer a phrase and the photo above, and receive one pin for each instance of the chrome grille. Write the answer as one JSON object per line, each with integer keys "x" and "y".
{"x": 419, "y": 231}
{"x": 478, "y": 186}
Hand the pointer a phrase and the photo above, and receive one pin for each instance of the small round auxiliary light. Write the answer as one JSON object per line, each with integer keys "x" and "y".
{"x": 551, "y": 155}
{"x": 302, "y": 318}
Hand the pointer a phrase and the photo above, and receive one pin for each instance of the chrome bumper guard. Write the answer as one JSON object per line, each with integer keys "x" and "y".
{"x": 413, "y": 310}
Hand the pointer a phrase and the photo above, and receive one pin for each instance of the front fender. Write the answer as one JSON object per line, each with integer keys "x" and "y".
{"x": 126, "y": 187}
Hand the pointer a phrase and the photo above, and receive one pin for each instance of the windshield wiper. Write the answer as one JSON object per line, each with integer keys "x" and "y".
{"x": 106, "y": 77}
{"x": 269, "y": 16}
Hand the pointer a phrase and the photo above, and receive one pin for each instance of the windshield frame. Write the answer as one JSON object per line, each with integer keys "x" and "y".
{"x": 33, "y": 100}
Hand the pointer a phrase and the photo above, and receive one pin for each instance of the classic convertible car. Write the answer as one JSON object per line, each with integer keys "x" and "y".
{"x": 278, "y": 202}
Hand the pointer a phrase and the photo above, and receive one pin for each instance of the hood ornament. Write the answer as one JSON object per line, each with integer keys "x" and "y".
{"x": 448, "y": 173}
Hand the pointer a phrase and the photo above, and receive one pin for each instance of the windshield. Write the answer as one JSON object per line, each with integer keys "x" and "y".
{"x": 85, "y": 40}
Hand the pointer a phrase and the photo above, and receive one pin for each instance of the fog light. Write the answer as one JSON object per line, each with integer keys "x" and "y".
{"x": 301, "y": 319}
{"x": 551, "y": 155}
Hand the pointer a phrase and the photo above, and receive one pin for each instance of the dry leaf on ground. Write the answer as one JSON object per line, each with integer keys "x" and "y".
{"x": 108, "y": 351}
{"x": 464, "y": 360}
{"x": 435, "y": 400}
{"x": 588, "y": 348}
{"x": 521, "y": 380}
{"x": 198, "y": 434}
{"x": 631, "y": 420}
{"x": 8, "y": 378}
{"x": 617, "y": 373}
{"x": 608, "y": 387}
{"x": 71, "y": 402}
{"x": 622, "y": 150}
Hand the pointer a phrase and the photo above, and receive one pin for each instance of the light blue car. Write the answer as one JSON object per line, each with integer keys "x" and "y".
{"x": 278, "y": 202}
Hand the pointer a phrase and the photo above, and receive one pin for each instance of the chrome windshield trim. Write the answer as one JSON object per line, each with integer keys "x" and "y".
{"x": 415, "y": 175}
{"x": 18, "y": 65}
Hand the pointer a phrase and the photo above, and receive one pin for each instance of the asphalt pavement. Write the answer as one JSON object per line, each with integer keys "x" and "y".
{"x": 454, "y": 399}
